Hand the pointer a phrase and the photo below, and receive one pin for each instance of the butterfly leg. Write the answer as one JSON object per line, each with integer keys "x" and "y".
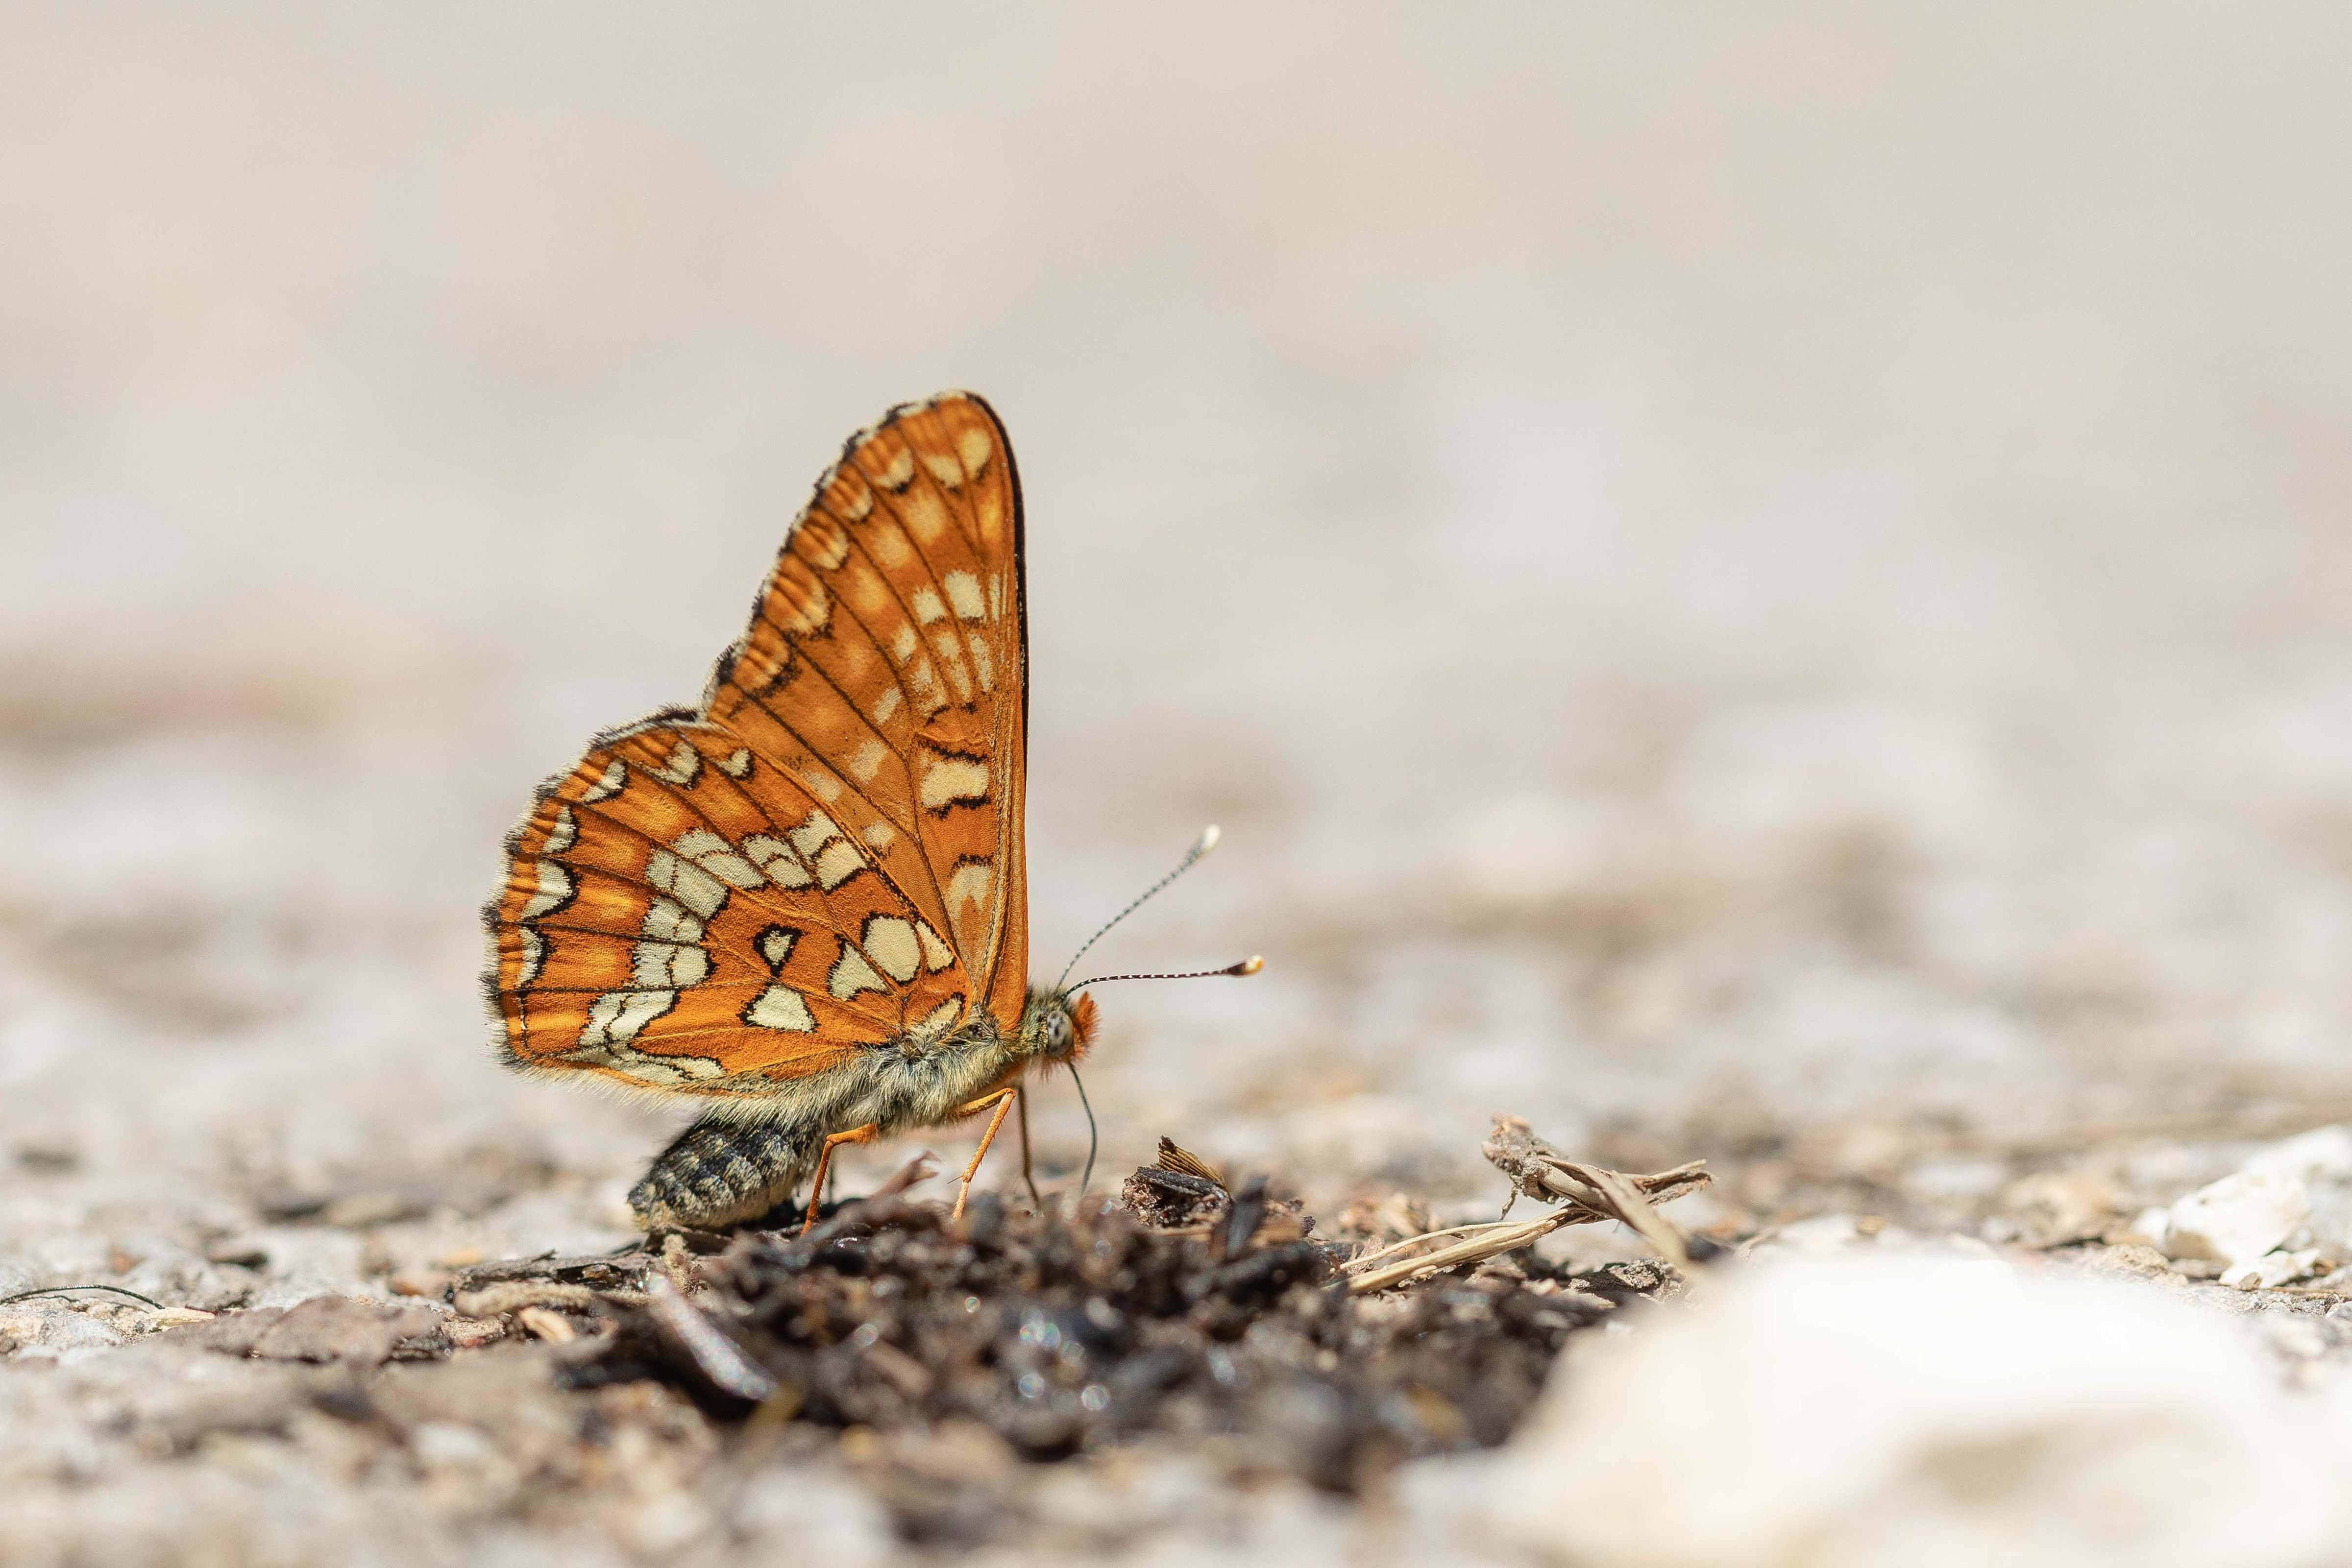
{"x": 863, "y": 1135}
{"x": 1003, "y": 1099}
{"x": 1028, "y": 1172}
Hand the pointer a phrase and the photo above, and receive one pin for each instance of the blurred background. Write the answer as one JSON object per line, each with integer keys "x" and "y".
{"x": 1716, "y": 567}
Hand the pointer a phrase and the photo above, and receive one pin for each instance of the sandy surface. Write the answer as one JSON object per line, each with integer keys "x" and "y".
{"x": 1723, "y": 580}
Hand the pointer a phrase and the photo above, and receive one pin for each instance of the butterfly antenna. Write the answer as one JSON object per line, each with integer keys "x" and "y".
{"x": 1200, "y": 846}
{"x": 1249, "y": 965}
{"x": 1093, "y": 1139}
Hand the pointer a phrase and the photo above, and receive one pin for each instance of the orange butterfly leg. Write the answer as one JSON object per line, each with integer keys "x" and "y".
{"x": 1003, "y": 1099}
{"x": 863, "y": 1135}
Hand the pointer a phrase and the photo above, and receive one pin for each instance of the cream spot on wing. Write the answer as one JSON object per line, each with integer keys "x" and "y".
{"x": 886, "y": 542}
{"x": 890, "y": 941}
{"x": 944, "y": 468}
{"x": 534, "y": 954}
{"x": 983, "y": 667}
{"x": 737, "y": 764}
{"x": 969, "y": 885}
{"x": 781, "y": 1008}
{"x": 667, "y": 921}
{"x": 926, "y": 606}
{"x": 658, "y": 964}
{"x": 685, "y": 881}
{"x": 868, "y": 761}
{"x": 974, "y": 447}
{"x": 809, "y": 610}
{"x": 778, "y": 861}
{"x": 837, "y": 863}
{"x": 776, "y": 946}
{"x": 883, "y": 706}
{"x": 821, "y": 784}
{"x": 924, "y": 681}
{"x": 903, "y": 644}
{"x": 953, "y": 778}
{"x": 812, "y": 834}
{"x": 926, "y": 518}
{"x": 856, "y": 500}
{"x": 683, "y": 765}
{"x": 759, "y": 665}
{"x": 614, "y": 1020}
{"x": 936, "y": 955}
{"x": 561, "y": 837}
{"x": 828, "y": 541}
{"x": 553, "y": 892}
{"x": 829, "y": 853}
{"x": 963, "y": 592}
{"x": 939, "y": 1020}
{"x": 852, "y": 974}
{"x": 635, "y": 1065}
{"x": 617, "y": 1017}
{"x": 879, "y": 835}
{"x": 901, "y": 470}
{"x": 951, "y": 660}
{"x": 995, "y": 597}
{"x": 717, "y": 856}
{"x": 608, "y": 784}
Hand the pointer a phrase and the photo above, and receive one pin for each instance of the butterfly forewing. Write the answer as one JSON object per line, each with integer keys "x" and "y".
{"x": 827, "y": 856}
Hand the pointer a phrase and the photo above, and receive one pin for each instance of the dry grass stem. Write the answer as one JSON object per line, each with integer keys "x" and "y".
{"x": 1585, "y": 1194}
{"x": 1500, "y": 1237}
{"x": 1483, "y": 1227}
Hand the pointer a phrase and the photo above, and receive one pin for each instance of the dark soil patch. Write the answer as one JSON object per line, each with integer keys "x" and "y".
{"x": 1226, "y": 1324}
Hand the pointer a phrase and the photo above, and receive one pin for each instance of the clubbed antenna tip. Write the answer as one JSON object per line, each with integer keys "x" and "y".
{"x": 1249, "y": 965}
{"x": 1200, "y": 846}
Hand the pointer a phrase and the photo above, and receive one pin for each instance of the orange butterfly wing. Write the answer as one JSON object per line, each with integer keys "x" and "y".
{"x": 827, "y": 856}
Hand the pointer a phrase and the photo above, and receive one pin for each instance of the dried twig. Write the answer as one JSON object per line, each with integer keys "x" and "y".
{"x": 1624, "y": 1194}
{"x": 715, "y": 1356}
{"x": 515, "y": 1295}
{"x": 1541, "y": 1170}
{"x": 1495, "y": 1238}
{"x": 61, "y": 1290}
{"x": 1585, "y": 1193}
{"x": 1481, "y": 1229}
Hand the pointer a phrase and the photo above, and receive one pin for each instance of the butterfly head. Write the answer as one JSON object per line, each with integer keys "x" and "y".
{"x": 1057, "y": 1026}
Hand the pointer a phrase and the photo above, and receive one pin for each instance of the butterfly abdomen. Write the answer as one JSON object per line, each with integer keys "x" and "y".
{"x": 744, "y": 1157}
{"x": 718, "y": 1172}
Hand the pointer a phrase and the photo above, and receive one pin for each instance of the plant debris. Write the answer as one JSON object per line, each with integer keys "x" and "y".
{"x": 1187, "y": 1310}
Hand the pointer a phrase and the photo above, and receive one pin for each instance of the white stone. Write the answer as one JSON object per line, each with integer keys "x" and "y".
{"x": 1858, "y": 1412}
{"x": 1821, "y": 1236}
{"x": 2322, "y": 1155}
{"x": 2271, "y": 1269}
{"x": 2236, "y": 1219}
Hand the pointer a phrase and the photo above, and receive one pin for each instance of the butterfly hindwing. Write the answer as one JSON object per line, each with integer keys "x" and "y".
{"x": 827, "y": 856}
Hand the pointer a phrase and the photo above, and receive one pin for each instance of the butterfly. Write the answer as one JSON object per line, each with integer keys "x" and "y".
{"x": 803, "y": 902}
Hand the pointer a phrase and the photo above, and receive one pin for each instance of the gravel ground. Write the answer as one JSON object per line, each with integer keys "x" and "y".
{"x": 1764, "y": 590}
